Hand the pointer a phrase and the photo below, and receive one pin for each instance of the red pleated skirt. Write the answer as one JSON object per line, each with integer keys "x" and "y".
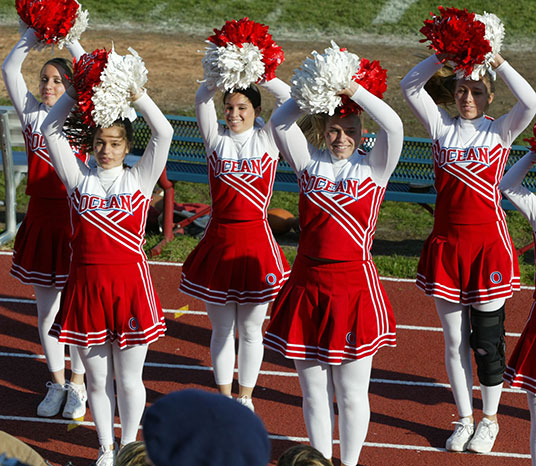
{"x": 331, "y": 312}
{"x": 469, "y": 264}
{"x": 42, "y": 253}
{"x": 238, "y": 262}
{"x": 109, "y": 303}
{"x": 521, "y": 368}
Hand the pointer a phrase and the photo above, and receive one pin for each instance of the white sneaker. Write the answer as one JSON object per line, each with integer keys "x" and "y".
{"x": 106, "y": 456}
{"x": 484, "y": 438}
{"x": 463, "y": 432}
{"x": 246, "y": 401}
{"x": 53, "y": 401}
{"x": 75, "y": 406}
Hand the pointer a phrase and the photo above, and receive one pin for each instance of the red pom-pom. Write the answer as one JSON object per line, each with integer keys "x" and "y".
{"x": 372, "y": 77}
{"x": 86, "y": 75}
{"x": 247, "y": 31}
{"x": 51, "y": 19}
{"x": 458, "y": 36}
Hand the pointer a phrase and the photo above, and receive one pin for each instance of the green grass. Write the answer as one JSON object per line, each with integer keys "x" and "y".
{"x": 296, "y": 18}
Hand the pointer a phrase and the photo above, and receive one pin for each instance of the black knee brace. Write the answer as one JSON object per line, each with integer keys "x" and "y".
{"x": 487, "y": 336}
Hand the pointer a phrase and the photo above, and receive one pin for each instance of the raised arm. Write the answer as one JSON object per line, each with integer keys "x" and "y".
{"x": 388, "y": 145}
{"x": 153, "y": 161}
{"x": 205, "y": 111}
{"x": 279, "y": 89}
{"x": 12, "y": 73}
{"x": 69, "y": 168}
{"x": 420, "y": 102}
{"x": 516, "y": 120}
{"x": 523, "y": 199}
{"x": 288, "y": 136}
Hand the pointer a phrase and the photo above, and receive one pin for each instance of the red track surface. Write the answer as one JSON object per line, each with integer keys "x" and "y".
{"x": 411, "y": 406}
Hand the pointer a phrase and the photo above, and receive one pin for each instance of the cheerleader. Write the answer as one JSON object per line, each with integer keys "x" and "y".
{"x": 333, "y": 315}
{"x": 520, "y": 371}
{"x": 237, "y": 267}
{"x": 41, "y": 253}
{"x": 468, "y": 263}
{"x": 109, "y": 307}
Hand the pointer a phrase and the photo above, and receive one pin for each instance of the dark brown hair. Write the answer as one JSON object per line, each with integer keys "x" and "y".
{"x": 81, "y": 135}
{"x": 252, "y": 93}
{"x": 64, "y": 64}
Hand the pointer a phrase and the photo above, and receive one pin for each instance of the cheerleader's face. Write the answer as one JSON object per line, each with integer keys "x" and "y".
{"x": 239, "y": 113}
{"x": 342, "y": 135}
{"x": 110, "y": 146}
{"x": 51, "y": 84}
{"x": 472, "y": 98}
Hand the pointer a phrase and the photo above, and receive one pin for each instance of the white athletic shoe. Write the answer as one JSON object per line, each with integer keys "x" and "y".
{"x": 484, "y": 438}
{"x": 53, "y": 401}
{"x": 246, "y": 401}
{"x": 106, "y": 456}
{"x": 75, "y": 406}
{"x": 463, "y": 432}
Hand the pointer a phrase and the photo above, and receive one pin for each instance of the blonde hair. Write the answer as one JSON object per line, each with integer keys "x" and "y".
{"x": 313, "y": 127}
{"x": 132, "y": 454}
{"x": 302, "y": 455}
{"x": 442, "y": 85}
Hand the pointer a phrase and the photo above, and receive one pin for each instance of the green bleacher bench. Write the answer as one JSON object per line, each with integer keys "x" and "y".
{"x": 411, "y": 181}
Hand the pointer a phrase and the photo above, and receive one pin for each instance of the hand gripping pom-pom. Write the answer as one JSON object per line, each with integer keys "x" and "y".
{"x": 239, "y": 54}
{"x": 469, "y": 41}
{"x": 316, "y": 83}
{"x": 55, "y": 21}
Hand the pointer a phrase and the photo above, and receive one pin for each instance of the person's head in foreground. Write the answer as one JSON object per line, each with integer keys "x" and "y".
{"x": 302, "y": 455}
{"x": 195, "y": 427}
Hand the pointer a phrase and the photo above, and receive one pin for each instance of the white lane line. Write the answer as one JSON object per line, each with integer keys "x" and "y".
{"x": 392, "y": 11}
{"x": 191, "y": 367}
{"x": 69, "y": 422}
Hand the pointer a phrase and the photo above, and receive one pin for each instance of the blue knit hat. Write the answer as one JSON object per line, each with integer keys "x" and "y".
{"x": 198, "y": 428}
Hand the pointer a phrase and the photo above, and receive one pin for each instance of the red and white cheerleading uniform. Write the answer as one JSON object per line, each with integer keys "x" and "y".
{"x": 238, "y": 259}
{"x": 521, "y": 368}
{"x": 109, "y": 294}
{"x": 41, "y": 253}
{"x": 333, "y": 307}
{"x": 469, "y": 256}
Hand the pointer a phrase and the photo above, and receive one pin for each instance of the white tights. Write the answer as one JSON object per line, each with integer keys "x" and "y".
{"x": 349, "y": 383}
{"x": 102, "y": 363}
{"x": 456, "y": 323}
{"x": 48, "y": 305}
{"x": 531, "y": 398}
{"x": 224, "y": 319}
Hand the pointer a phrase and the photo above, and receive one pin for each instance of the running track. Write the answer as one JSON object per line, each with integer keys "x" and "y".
{"x": 410, "y": 400}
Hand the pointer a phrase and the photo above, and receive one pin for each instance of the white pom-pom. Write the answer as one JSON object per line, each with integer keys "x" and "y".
{"x": 314, "y": 86}
{"x": 495, "y": 35}
{"x": 78, "y": 28}
{"x": 232, "y": 67}
{"x": 123, "y": 76}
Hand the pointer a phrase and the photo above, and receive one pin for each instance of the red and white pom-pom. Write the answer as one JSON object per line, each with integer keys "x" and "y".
{"x": 239, "y": 54}
{"x": 104, "y": 82}
{"x": 467, "y": 40}
{"x": 57, "y": 22}
{"x": 316, "y": 83}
